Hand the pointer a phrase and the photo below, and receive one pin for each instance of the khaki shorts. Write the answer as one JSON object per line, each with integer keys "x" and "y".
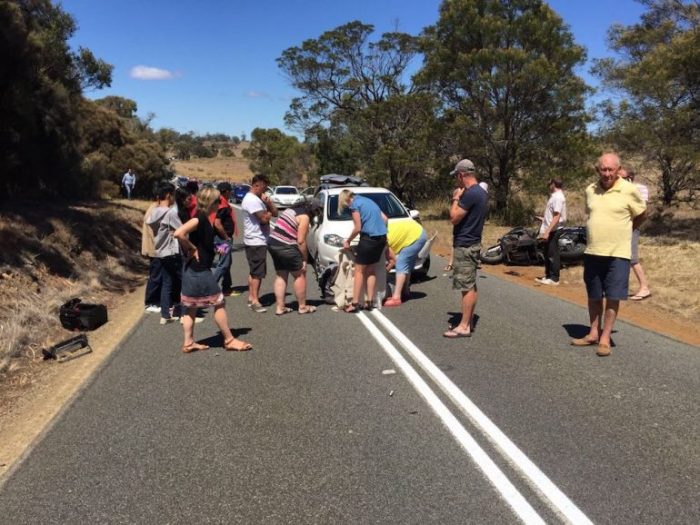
{"x": 465, "y": 261}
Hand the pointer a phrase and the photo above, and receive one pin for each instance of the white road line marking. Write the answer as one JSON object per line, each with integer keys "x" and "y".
{"x": 556, "y": 499}
{"x": 510, "y": 494}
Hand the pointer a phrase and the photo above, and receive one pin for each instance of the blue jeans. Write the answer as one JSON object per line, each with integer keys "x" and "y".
{"x": 154, "y": 282}
{"x": 172, "y": 283}
{"x": 223, "y": 266}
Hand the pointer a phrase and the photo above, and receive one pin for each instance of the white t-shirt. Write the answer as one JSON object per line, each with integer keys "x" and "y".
{"x": 254, "y": 233}
{"x": 555, "y": 204}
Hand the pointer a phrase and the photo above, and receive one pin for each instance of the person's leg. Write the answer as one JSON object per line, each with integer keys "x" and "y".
{"x": 154, "y": 283}
{"x": 223, "y": 267}
{"x": 280, "y": 289}
{"x": 469, "y": 298}
{"x": 300, "y": 288}
{"x": 166, "y": 290}
{"x": 552, "y": 259}
{"x": 226, "y": 283}
{"x": 358, "y": 282}
{"x": 253, "y": 289}
{"x": 595, "y": 316}
{"x": 188, "y": 328}
{"x": 400, "y": 283}
{"x": 230, "y": 342}
{"x": 643, "y": 290}
{"x": 612, "y": 306}
{"x": 371, "y": 280}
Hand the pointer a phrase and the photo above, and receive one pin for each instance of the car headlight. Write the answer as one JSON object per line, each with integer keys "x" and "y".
{"x": 333, "y": 239}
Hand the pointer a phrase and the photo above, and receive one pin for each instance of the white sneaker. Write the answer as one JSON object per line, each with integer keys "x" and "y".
{"x": 152, "y": 308}
{"x": 541, "y": 280}
{"x": 549, "y": 282}
{"x": 166, "y": 320}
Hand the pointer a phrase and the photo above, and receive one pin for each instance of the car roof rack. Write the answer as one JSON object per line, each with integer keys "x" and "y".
{"x": 334, "y": 180}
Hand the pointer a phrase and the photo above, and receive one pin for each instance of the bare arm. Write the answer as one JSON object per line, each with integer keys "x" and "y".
{"x": 553, "y": 226}
{"x": 390, "y": 258}
{"x": 457, "y": 213}
{"x": 219, "y": 227}
{"x": 356, "y": 227}
{"x": 639, "y": 220}
{"x": 182, "y": 233}
{"x": 302, "y": 232}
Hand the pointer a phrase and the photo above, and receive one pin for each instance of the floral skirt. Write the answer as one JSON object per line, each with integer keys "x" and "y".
{"x": 200, "y": 289}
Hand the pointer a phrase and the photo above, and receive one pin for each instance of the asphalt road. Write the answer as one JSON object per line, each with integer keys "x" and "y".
{"x": 308, "y": 429}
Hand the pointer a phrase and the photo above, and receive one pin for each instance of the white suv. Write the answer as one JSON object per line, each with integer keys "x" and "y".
{"x": 329, "y": 230}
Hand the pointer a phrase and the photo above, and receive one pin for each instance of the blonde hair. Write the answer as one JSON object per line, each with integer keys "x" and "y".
{"x": 344, "y": 200}
{"x": 206, "y": 197}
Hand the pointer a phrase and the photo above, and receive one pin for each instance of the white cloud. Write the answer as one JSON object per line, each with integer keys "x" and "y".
{"x": 257, "y": 94}
{"x": 150, "y": 73}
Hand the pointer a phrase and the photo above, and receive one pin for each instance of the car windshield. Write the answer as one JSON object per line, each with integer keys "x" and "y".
{"x": 387, "y": 202}
{"x": 286, "y": 191}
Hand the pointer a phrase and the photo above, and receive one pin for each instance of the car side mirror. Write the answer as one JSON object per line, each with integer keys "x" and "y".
{"x": 414, "y": 214}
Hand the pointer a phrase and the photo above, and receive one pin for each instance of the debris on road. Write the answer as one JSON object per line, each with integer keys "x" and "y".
{"x": 388, "y": 372}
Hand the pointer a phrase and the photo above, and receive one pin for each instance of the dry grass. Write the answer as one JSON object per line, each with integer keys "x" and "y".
{"x": 233, "y": 169}
{"x": 51, "y": 254}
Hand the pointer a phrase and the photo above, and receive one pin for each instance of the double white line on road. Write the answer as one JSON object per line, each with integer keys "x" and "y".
{"x": 547, "y": 490}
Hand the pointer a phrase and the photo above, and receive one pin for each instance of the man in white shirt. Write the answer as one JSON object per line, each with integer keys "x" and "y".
{"x": 258, "y": 210}
{"x": 129, "y": 181}
{"x": 553, "y": 219}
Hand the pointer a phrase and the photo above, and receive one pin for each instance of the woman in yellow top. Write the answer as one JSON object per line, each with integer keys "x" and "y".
{"x": 405, "y": 239}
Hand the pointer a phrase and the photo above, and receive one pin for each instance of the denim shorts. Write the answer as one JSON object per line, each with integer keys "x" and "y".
{"x": 606, "y": 277}
{"x": 406, "y": 259}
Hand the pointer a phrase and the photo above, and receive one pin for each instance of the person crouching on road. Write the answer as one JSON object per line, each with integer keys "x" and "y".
{"x": 467, "y": 215}
{"x": 553, "y": 219}
{"x": 614, "y": 208}
{"x": 405, "y": 239}
{"x": 199, "y": 287}
{"x": 370, "y": 223}
{"x": 163, "y": 221}
{"x": 287, "y": 246}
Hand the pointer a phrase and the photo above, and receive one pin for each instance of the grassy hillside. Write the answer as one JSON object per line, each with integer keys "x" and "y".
{"x": 233, "y": 169}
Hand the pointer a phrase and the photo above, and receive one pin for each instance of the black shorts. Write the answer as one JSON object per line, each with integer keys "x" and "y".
{"x": 287, "y": 257}
{"x": 369, "y": 249}
{"x": 257, "y": 260}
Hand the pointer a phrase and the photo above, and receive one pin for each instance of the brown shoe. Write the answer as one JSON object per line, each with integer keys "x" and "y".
{"x": 603, "y": 350}
{"x": 583, "y": 342}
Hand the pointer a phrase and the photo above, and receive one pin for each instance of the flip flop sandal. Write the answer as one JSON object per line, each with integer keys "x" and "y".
{"x": 454, "y": 334}
{"x": 448, "y": 268}
{"x": 308, "y": 310}
{"x": 583, "y": 342}
{"x": 285, "y": 311}
{"x": 352, "y": 308}
{"x": 236, "y": 345}
{"x": 640, "y": 297}
{"x": 194, "y": 347}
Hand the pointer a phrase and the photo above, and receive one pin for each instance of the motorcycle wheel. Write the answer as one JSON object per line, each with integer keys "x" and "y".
{"x": 492, "y": 255}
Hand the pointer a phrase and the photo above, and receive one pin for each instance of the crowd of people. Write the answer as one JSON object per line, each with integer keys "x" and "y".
{"x": 188, "y": 236}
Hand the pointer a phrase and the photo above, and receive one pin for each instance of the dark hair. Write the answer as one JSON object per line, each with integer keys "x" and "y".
{"x": 311, "y": 208}
{"x": 192, "y": 187}
{"x": 558, "y": 183}
{"x": 260, "y": 178}
{"x": 223, "y": 186}
{"x": 164, "y": 189}
{"x": 181, "y": 196}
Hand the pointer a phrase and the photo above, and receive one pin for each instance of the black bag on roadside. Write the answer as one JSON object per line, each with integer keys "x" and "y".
{"x": 76, "y": 315}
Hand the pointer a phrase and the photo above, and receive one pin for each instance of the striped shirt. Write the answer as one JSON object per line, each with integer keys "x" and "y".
{"x": 286, "y": 227}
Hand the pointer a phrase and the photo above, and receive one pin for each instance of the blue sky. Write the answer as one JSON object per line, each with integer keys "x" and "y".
{"x": 209, "y": 65}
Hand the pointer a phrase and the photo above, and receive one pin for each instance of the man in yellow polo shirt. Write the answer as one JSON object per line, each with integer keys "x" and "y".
{"x": 614, "y": 208}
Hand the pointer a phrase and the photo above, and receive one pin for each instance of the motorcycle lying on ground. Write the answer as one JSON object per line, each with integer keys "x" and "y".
{"x": 521, "y": 247}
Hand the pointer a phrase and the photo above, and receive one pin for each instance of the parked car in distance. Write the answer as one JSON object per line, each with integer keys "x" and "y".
{"x": 327, "y": 232}
{"x": 239, "y": 192}
{"x": 286, "y": 196}
{"x": 308, "y": 193}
